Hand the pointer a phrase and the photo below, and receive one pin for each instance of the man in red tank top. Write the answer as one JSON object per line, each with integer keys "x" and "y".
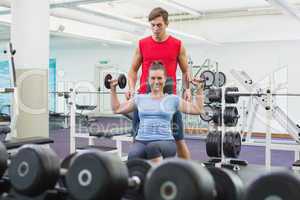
{"x": 171, "y": 52}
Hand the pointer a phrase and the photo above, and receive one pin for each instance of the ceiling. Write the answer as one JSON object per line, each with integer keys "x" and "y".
{"x": 206, "y": 21}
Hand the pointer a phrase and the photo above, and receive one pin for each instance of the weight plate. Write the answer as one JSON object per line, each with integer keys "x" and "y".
{"x": 228, "y": 184}
{"x": 122, "y": 81}
{"x": 106, "y": 81}
{"x": 231, "y": 116}
{"x": 96, "y": 175}
{"x": 232, "y": 144}
{"x": 215, "y": 95}
{"x": 208, "y": 77}
{"x": 176, "y": 179}
{"x": 213, "y": 144}
{"x": 231, "y": 98}
{"x": 207, "y": 114}
{"x": 217, "y": 116}
{"x": 220, "y": 79}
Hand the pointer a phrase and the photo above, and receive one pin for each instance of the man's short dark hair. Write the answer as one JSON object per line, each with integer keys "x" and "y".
{"x": 159, "y": 12}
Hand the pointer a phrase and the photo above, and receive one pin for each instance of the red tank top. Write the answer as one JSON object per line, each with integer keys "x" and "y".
{"x": 167, "y": 52}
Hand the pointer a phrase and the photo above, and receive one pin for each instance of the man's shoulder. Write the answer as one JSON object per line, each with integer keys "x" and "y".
{"x": 175, "y": 39}
{"x": 145, "y": 38}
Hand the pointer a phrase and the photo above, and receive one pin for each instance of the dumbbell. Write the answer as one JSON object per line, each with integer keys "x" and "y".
{"x": 33, "y": 170}
{"x": 228, "y": 185}
{"x": 26, "y": 168}
{"x": 137, "y": 168}
{"x": 93, "y": 174}
{"x": 256, "y": 182}
{"x": 276, "y": 184}
{"x": 178, "y": 179}
{"x": 4, "y": 182}
{"x": 122, "y": 81}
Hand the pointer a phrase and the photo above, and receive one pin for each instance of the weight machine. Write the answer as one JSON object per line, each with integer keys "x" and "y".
{"x": 273, "y": 111}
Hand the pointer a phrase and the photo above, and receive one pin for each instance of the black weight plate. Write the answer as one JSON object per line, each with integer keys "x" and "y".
{"x": 96, "y": 175}
{"x": 3, "y": 159}
{"x": 220, "y": 79}
{"x": 65, "y": 164}
{"x": 232, "y": 144}
{"x": 228, "y": 184}
{"x": 217, "y": 116}
{"x": 279, "y": 185}
{"x": 29, "y": 165}
{"x": 213, "y": 144}
{"x": 205, "y": 93}
{"x": 106, "y": 81}
{"x": 233, "y": 98}
{"x": 51, "y": 166}
{"x": 215, "y": 95}
{"x": 176, "y": 179}
{"x": 231, "y": 116}
{"x": 207, "y": 114}
{"x": 209, "y": 145}
{"x": 139, "y": 168}
{"x": 122, "y": 81}
{"x": 208, "y": 77}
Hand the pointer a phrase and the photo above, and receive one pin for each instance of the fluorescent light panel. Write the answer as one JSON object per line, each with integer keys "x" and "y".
{"x": 285, "y": 7}
{"x": 181, "y": 7}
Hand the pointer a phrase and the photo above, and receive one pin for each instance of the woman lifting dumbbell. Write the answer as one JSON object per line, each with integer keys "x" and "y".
{"x": 154, "y": 139}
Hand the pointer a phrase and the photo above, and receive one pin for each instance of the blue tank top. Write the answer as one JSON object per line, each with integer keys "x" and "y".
{"x": 155, "y": 116}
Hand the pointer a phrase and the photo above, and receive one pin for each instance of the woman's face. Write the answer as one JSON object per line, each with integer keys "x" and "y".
{"x": 157, "y": 80}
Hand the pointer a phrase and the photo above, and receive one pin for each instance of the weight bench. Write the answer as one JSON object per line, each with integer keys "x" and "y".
{"x": 119, "y": 135}
{"x": 18, "y": 142}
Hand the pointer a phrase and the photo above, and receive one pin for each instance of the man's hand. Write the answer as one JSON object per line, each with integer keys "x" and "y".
{"x": 187, "y": 95}
{"x": 129, "y": 94}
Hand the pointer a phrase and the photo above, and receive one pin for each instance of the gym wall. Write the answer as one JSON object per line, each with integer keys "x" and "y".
{"x": 77, "y": 60}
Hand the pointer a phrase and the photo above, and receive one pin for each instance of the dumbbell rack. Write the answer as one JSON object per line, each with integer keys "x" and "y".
{"x": 273, "y": 111}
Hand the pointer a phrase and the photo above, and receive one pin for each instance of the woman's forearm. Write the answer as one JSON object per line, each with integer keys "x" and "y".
{"x": 115, "y": 103}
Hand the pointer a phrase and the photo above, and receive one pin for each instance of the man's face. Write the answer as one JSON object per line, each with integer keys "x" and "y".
{"x": 158, "y": 26}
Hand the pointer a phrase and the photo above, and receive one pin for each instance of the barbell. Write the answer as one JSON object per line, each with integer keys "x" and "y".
{"x": 232, "y": 94}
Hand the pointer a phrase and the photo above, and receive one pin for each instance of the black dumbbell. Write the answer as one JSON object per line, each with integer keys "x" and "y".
{"x": 178, "y": 179}
{"x": 94, "y": 174}
{"x": 4, "y": 182}
{"x": 280, "y": 184}
{"x": 122, "y": 81}
{"x": 137, "y": 168}
{"x": 33, "y": 170}
{"x": 228, "y": 184}
{"x": 30, "y": 172}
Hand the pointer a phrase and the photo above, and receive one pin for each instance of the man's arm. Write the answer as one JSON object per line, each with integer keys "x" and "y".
{"x": 186, "y": 74}
{"x": 132, "y": 74}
